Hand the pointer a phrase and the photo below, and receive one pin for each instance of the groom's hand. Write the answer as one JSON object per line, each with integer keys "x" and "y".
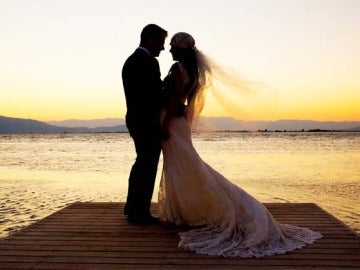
{"x": 164, "y": 129}
{"x": 164, "y": 135}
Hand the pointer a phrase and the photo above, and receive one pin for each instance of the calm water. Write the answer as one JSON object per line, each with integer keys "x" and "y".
{"x": 41, "y": 173}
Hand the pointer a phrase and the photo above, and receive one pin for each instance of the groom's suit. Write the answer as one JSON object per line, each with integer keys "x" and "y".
{"x": 142, "y": 85}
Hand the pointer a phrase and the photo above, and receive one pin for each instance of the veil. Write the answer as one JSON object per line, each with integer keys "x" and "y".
{"x": 231, "y": 90}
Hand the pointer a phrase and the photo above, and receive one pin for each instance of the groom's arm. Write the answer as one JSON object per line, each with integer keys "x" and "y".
{"x": 142, "y": 85}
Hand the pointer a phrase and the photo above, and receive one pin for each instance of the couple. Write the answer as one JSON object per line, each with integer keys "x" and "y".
{"x": 227, "y": 221}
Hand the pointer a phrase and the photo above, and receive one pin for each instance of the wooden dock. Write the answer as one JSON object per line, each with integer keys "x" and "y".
{"x": 97, "y": 236}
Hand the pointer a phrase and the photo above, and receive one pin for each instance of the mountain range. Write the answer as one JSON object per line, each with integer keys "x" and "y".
{"x": 19, "y": 125}
{"x": 231, "y": 124}
{"x": 94, "y": 123}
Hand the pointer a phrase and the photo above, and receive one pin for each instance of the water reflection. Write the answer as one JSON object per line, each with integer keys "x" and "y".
{"x": 42, "y": 173}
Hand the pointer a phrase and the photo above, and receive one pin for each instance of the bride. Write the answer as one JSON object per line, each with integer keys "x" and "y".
{"x": 227, "y": 221}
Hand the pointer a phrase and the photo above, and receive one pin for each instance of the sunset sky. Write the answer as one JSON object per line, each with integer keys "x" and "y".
{"x": 62, "y": 59}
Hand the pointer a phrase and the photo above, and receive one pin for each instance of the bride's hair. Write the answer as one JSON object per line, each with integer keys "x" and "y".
{"x": 196, "y": 99}
{"x": 208, "y": 73}
{"x": 199, "y": 72}
{"x": 187, "y": 56}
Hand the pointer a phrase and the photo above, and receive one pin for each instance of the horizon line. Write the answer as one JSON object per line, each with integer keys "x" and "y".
{"x": 229, "y": 117}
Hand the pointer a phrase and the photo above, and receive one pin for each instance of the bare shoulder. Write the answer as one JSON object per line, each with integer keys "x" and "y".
{"x": 178, "y": 69}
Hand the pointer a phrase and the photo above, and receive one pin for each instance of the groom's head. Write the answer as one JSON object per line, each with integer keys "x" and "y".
{"x": 153, "y": 38}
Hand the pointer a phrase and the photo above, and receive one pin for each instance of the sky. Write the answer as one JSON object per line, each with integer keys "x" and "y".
{"x": 62, "y": 59}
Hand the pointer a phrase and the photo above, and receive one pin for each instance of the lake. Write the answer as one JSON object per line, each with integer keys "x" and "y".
{"x": 41, "y": 173}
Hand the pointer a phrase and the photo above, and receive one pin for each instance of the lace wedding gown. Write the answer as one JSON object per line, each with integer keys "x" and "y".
{"x": 235, "y": 223}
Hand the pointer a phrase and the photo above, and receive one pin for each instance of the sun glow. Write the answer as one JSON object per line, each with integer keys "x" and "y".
{"x": 63, "y": 60}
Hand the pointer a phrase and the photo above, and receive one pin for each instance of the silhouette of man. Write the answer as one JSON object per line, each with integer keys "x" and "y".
{"x": 142, "y": 85}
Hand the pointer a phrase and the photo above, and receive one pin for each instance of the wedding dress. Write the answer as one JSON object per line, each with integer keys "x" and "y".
{"x": 233, "y": 223}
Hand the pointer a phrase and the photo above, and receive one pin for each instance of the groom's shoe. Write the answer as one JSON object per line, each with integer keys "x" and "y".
{"x": 143, "y": 220}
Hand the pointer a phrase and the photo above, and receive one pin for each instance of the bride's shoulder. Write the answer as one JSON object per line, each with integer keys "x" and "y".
{"x": 178, "y": 68}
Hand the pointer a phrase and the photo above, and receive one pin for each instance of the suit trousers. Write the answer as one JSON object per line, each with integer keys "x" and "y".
{"x": 143, "y": 173}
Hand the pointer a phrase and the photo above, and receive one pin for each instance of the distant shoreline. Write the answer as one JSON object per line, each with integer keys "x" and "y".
{"x": 202, "y": 131}
{"x": 10, "y": 125}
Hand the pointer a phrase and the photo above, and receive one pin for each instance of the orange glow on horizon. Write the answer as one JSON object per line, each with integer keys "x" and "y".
{"x": 70, "y": 67}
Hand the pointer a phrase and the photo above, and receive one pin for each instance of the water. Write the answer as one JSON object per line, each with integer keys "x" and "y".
{"x": 40, "y": 174}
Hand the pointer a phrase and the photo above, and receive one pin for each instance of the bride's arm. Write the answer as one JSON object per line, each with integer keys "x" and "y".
{"x": 177, "y": 85}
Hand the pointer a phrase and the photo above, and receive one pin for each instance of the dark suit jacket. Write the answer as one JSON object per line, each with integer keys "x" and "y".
{"x": 142, "y": 85}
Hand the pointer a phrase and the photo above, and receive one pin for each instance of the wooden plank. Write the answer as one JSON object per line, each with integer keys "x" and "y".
{"x": 97, "y": 236}
{"x": 152, "y": 254}
{"x": 200, "y": 260}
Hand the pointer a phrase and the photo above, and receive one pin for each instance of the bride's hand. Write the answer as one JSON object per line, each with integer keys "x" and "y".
{"x": 164, "y": 133}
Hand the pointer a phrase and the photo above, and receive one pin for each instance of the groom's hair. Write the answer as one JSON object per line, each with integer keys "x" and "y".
{"x": 151, "y": 31}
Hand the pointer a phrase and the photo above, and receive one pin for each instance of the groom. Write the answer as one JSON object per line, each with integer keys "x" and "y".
{"x": 142, "y": 85}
